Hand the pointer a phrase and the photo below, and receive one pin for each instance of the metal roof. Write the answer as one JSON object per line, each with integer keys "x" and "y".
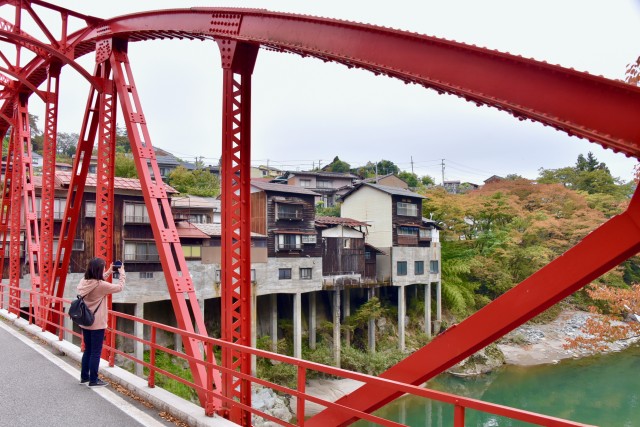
{"x": 63, "y": 179}
{"x": 215, "y": 230}
{"x": 335, "y": 220}
{"x": 189, "y": 231}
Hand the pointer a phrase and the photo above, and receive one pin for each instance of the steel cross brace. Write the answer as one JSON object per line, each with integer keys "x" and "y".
{"x": 179, "y": 283}
{"x": 238, "y": 60}
{"x": 71, "y": 215}
{"x": 601, "y": 250}
{"x": 32, "y": 238}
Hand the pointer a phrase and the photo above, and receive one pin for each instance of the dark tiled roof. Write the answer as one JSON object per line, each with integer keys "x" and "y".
{"x": 325, "y": 174}
{"x": 335, "y": 220}
{"x": 282, "y": 188}
{"x": 395, "y": 191}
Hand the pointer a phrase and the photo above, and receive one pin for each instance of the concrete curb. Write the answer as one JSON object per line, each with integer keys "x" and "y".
{"x": 163, "y": 400}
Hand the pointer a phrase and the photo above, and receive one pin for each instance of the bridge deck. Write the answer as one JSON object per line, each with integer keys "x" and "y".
{"x": 40, "y": 388}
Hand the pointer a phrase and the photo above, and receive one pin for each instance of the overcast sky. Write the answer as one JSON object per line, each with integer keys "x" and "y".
{"x": 306, "y": 111}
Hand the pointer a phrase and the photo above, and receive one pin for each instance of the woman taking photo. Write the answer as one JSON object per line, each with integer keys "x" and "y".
{"x": 94, "y": 289}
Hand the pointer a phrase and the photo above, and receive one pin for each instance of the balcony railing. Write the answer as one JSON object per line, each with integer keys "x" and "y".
{"x": 290, "y": 215}
{"x": 142, "y": 257}
{"x": 138, "y": 219}
{"x": 289, "y": 247}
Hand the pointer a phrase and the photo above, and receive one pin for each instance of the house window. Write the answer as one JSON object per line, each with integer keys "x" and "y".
{"x": 90, "y": 209}
{"x": 58, "y": 207}
{"x": 402, "y": 268}
{"x": 284, "y": 273}
{"x": 289, "y": 242}
{"x": 323, "y": 183}
{"x": 367, "y": 255}
{"x": 305, "y": 183}
{"x": 407, "y": 231}
{"x": 136, "y": 213}
{"x": 141, "y": 251}
{"x": 305, "y": 273}
{"x": 146, "y": 274}
{"x": 419, "y": 268}
{"x": 191, "y": 252}
{"x": 433, "y": 267}
{"x": 253, "y": 275}
{"x": 218, "y": 276}
{"x": 346, "y": 243}
{"x": 425, "y": 234}
{"x": 198, "y": 219}
{"x": 78, "y": 245}
{"x": 308, "y": 239}
{"x": 290, "y": 212}
{"x": 407, "y": 209}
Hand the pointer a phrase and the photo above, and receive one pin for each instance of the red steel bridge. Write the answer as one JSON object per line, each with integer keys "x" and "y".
{"x": 600, "y": 110}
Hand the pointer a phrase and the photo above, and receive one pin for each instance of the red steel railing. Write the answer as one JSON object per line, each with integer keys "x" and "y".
{"x": 29, "y": 311}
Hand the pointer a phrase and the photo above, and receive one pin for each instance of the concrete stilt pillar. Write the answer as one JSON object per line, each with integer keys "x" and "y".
{"x": 273, "y": 298}
{"x": 297, "y": 325}
{"x": 346, "y": 304}
{"x": 427, "y": 309}
{"x": 336, "y": 328}
{"x": 177, "y": 342}
{"x": 312, "y": 320}
{"x": 254, "y": 327}
{"x": 372, "y": 325}
{"x": 402, "y": 310}
{"x": 438, "y": 305}
{"x": 68, "y": 326}
{"x": 138, "y": 331}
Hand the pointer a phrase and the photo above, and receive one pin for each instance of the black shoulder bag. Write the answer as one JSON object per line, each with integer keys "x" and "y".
{"x": 80, "y": 313}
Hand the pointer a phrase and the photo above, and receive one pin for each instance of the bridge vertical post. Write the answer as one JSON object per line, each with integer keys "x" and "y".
{"x": 179, "y": 281}
{"x": 15, "y": 251}
{"x": 105, "y": 175}
{"x": 47, "y": 195}
{"x": 238, "y": 60}
{"x": 5, "y": 210}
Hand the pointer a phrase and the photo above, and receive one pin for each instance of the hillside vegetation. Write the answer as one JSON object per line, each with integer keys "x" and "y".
{"x": 497, "y": 236}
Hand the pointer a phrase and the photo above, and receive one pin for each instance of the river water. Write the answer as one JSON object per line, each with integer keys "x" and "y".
{"x": 600, "y": 390}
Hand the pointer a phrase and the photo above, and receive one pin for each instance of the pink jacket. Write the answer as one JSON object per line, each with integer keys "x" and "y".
{"x": 95, "y": 291}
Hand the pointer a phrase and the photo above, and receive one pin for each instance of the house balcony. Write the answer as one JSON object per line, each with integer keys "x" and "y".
{"x": 407, "y": 240}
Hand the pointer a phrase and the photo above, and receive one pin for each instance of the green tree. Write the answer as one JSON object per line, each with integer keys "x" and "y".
{"x": 198, "y": 182}
{"x": 386, "y": 167}
{"x": 410, "y": 178}
{"x": 125, "y": 166}
{"x": 122, "y": 140}
{"x": 67, "y": 143}
{"x": 338, "y": 165}
{"x": 427, "y": 181}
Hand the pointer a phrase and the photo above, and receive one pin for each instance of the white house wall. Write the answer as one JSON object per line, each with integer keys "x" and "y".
{"x": 341, "y": 231}
{"x": 373, "y": 207}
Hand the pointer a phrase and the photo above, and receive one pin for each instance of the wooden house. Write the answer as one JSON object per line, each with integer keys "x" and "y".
{"x": 396, "y": 229}
{"x": 329, "y": 185}
{"x": 286, "y": 214}
{"x": 390, "y": 180}
{"x": 343, "y": 250}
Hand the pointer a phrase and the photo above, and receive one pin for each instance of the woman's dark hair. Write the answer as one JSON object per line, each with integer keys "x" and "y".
{"x": 95, "y": 269}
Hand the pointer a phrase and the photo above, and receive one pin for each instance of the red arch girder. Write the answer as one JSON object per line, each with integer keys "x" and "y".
{"x": 577, "y": 103}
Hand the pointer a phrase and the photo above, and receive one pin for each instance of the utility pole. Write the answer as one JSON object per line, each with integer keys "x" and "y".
{"x": 411, "y": 164}
{"x": 376, "y": 172}
{"x": 442, "y": 172}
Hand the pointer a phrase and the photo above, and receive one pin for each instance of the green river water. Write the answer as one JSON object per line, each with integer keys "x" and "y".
{"x": 601, "y": 390}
